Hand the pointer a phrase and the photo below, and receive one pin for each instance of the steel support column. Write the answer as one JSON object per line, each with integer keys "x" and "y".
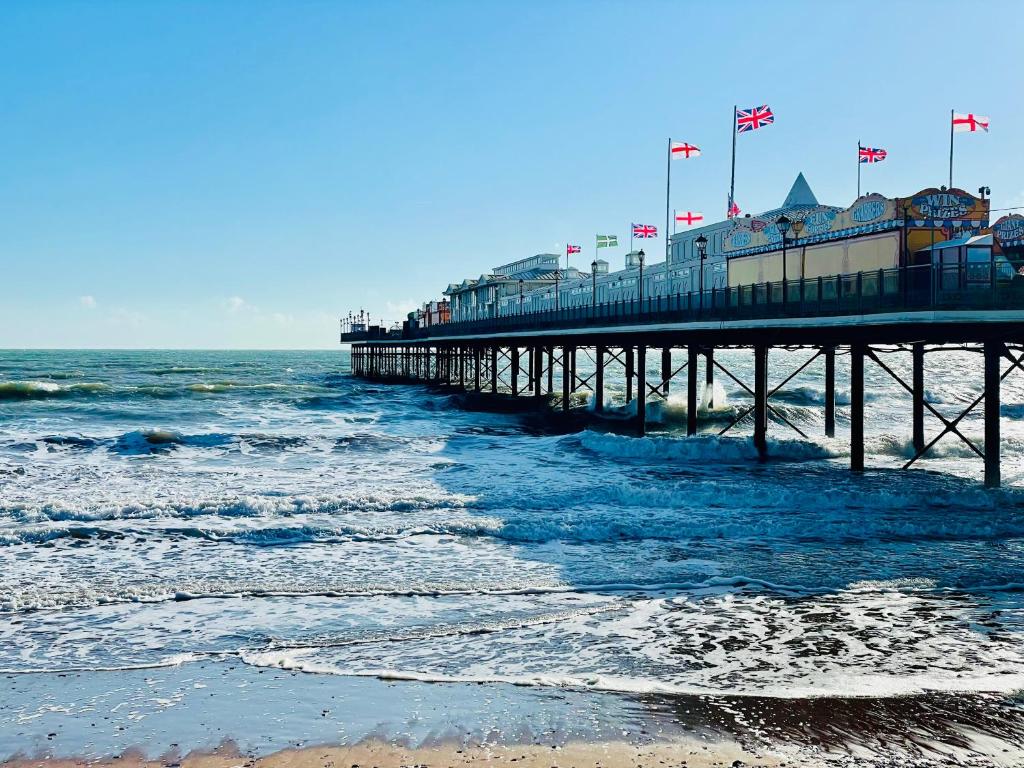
{"x": 599, "y": 379}
{"x": 993, "y": 354}
{"x": 566, "y": 373}
{"x": 551, "y": 370}
{"x": 629, "y": 375}
{"x": 917, "y": 407}
{"x": 709, "y": 376}
{"x": 830, "y": 391}
{"x": 641, "y": 390}
{"x": 494, "y": 370}
{"x": 761, "y": 399}
{"x": 666, "y": 370}
{"x": 691, "y": 390}
{"x": 857, "y": 407}
{"x": 538, "y": 369}
{"x": 514, "y": 371}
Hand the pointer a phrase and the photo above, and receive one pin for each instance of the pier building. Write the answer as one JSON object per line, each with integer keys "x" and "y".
{"x": 916, "y": 274}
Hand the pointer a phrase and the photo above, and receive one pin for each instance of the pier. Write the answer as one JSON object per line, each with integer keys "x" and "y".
{"x": 914, "y": 311}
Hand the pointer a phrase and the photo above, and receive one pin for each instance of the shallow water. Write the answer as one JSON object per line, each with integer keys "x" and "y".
{"x": 176, "y": 508}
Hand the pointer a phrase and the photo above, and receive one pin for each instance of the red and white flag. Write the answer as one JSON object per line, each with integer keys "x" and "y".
{"x": 734, "y": 210}
{"x": 571, "y": 249}
{"x": 969, "y": 123}
{"x": 689, "y": 218}
{"x": 681, "y": 149}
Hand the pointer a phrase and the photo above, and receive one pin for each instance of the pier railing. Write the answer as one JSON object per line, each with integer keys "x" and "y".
{"x": 970, "y": 286}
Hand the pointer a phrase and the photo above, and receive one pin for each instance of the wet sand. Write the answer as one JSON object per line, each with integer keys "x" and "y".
{"x": 377, "y": 754}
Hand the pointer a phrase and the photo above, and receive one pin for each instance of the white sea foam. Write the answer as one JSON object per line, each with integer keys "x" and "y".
{"x": 300, "y": 519}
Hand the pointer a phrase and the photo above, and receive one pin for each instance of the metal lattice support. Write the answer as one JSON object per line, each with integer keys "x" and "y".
{"x": 768, "y": 393}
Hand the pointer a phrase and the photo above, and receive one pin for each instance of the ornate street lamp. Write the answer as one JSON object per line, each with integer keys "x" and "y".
{"x": 784, "y": 223}
{"x": 520, "y": 295}
{"x": 798, "y": 228}
{"x": 702, "y": 250}
{"x": 593, "y": 283}
{"x": 558, "y": 275}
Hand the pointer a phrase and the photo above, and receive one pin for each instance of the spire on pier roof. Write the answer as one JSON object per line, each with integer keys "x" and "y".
{"x": 800, "y": 194}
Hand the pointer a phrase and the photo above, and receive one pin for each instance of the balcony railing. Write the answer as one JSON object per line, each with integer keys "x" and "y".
{"x": 970, "y": 286}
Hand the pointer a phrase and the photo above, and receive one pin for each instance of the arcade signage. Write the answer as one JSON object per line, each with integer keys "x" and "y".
{"x": 1009, "y": 230}
{"x": 947, "y": 204}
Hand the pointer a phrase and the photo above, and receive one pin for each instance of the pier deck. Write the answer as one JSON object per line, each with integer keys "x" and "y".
{"x": 911, "y": 310}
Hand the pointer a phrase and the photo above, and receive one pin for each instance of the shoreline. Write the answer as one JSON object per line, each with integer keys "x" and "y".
{"x": 218, "y": 714}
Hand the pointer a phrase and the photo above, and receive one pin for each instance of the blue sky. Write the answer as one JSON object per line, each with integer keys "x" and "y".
{"x": 240, "y": 174}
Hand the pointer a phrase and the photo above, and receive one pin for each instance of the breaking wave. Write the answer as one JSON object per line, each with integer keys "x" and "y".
{"x": 28, "y": 390}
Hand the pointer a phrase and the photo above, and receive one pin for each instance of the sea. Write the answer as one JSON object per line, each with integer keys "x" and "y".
{"x": 267, "y": 528}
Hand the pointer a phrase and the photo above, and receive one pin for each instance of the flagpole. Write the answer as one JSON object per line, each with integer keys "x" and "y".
{"x": 668, "y": 192}
{"x": 951, "y": 113}
{"x": 674, "y": 221}
{"x": 732, "y": 178}
{"x": 858, "y": 169}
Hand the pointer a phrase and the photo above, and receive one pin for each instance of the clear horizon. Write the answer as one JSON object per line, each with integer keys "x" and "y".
{"x": 239, "y": 176}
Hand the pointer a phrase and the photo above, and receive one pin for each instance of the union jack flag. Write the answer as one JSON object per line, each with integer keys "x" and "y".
{"x": 733, "y": 211}
{"x": 754, "y": 118}
{"x": 871, "y": 154}
{"x": 571, "y": 249}
{"x": 645, "y": 230}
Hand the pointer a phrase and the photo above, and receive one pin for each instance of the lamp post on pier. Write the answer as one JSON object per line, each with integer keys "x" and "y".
{"x": 641, "y": 256}
{"x": 593, "y": 284}
{"x": 784, "y": 223}
{"x": 520, "y": 295}
{"x": 558, "y": 276}
{"x": 702, "y": 250}
{"x": 798, "y": 228}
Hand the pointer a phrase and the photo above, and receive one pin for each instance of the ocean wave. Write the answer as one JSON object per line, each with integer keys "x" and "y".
{"x": 30, "y": 390}
{"x": 177, "y": 370}
{"x": 851, "y": 685}
{"x": 250, "y": 506}
{"x": 33, "y": 600}
{"x": 217, "y": 387}
{"x": 723, "y": 450}
{"x": 158, "y": 441}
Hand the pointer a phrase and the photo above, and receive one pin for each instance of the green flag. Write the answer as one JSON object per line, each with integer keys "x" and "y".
{"x": 607, "y": 241}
